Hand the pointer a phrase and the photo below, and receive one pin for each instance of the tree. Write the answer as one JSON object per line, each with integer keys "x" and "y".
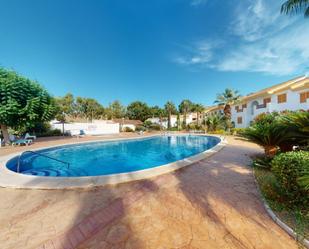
{"x": 170, "y": 108}
{"x": 295, "y": 7}
{"x": 227, "y": 98}
{"x": 115, "y": 110}
{"x": 23, "y": 102}
{"x": 198, "y": 108}
{"x": 185, "y": 107}
{"x": 138, "y": 110}
{"x": 214, "y": 122}
{"x": 156, "y": 111}
{"x": 65, "y": 107}
{"x": 89, "y": 108}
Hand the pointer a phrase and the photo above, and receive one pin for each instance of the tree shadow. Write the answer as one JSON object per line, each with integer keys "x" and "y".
{"x": 223, "y": 190}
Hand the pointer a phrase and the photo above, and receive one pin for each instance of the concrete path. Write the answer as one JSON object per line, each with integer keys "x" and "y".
{"x": 211, "y": 204}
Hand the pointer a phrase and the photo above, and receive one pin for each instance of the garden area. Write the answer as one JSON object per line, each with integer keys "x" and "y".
{"x": 283, "y": 172}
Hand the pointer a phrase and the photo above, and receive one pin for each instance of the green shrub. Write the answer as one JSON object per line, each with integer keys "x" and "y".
{"x": 127, "y": 129}
{"x": 147, "y": 123}
{"x": 237, "y": 131}
{"x": 50, "y": 133}
{"x": 262, "y": 162}
{"x": 155, "y": 127}
{"x": 173, "y": 129}
{"x": 288, "y": 168}
{"x": 140, "y": 128}
{"x": 218, "y": 132}
{"x": 194, "y": 126}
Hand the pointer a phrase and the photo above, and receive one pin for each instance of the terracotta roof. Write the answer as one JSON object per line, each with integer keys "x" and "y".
{"x": 128, "y": 121}
{"x": 282, "y": 86}
{"x": 293, "y": 84}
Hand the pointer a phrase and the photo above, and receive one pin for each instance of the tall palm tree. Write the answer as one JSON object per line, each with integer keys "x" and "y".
{"x": 296, "y": 6}
{"x": 198, "y": 108}
{"x": 227, "y": 98}
{"x": 170, "y": 108}
{"x": 185, "y": 107}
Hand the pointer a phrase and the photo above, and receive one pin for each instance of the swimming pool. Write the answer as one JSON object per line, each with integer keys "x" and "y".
{"x": 111, "y": 157}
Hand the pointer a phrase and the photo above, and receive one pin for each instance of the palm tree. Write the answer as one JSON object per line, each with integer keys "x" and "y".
{"x": 296, "y": 6}
{"x": 185, "y": 107}
{"x": 214, "y": 122}
{"x": 227, "y": 98}
{"x": 170, "y": 109}
{"x": 198, "y": 108}
{"x": 298, "y": 122}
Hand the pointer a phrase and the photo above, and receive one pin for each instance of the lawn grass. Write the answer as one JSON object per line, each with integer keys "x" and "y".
{"x": 296, "y": 218}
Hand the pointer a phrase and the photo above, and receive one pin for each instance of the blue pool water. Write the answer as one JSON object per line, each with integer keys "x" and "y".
{"x": 104, "y": 158}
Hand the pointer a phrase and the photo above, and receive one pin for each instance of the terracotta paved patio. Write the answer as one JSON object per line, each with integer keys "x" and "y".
{"x": 211, "y": 204}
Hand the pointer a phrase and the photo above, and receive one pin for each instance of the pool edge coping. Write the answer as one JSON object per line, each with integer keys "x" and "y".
{"x": 10, "y": 179}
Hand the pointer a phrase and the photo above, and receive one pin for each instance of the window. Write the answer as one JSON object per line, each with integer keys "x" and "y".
{"x": 303, "y": 97}
{"x": 239, "y": 120}
{"x": 266, "y": 101}
{"x": 281, "y": 98}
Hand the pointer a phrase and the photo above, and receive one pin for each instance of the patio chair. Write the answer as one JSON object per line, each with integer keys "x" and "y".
{"x": 28, "y": 136}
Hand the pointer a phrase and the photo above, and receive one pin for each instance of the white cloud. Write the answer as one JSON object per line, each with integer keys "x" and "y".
{"x": 262, "y": 41}
{"x": 200, "y": 53}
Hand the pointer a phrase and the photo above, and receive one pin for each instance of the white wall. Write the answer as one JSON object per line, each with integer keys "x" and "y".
{"x": 292, "y": 104}
{"x": 164, "y": 122}
{"x": 95, "y": 128}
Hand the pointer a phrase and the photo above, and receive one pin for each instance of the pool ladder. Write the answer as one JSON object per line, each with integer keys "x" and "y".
{"x": 39, "y": 154}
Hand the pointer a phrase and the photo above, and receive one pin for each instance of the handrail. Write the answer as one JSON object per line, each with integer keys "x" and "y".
{"x": 39, "y": 154}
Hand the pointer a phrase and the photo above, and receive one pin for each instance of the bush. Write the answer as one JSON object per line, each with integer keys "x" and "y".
{"x": 50, "y": 133}
{"x": 173, "y": 129}
{"x": 155, "y": 127}
{"x": 127, "y": 129}
{"x": 262, "y": 162}
{"x": 147, "y": 123}
{"x": 288, "y": 168}
{"x": 237, "y": 131}
{"x": 194, "y": 126}
{"x": 140, "y": 128}
{"x": 218, "y": 132}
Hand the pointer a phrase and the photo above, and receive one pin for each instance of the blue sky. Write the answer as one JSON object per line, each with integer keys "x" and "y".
{"x": 152, "y": 51}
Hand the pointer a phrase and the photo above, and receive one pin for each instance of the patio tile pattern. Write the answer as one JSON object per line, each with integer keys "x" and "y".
{"x": 211, "y": 204}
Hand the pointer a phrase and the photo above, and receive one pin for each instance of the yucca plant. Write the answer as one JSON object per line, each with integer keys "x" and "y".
{"x": 214, "y": 122}
{"x": 269, "y": 136}
{"x": 297, "y": 124}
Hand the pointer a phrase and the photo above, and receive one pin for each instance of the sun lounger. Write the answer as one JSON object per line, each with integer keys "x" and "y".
{"x": 22, "y": 142}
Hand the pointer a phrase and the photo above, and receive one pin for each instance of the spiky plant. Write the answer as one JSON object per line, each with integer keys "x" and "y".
{"x": 295, "y": 7}
{"x": 269, "y": 136}
{"x": 298, "y": 124}
{"x": 214, "y": 122}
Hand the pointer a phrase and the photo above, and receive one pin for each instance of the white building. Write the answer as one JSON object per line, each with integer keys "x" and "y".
{"x": 190, "y": 117}
{"x": 291, "y": 95}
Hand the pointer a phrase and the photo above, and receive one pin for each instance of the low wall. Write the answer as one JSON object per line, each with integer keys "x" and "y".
{"x": 97, "y": 128}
